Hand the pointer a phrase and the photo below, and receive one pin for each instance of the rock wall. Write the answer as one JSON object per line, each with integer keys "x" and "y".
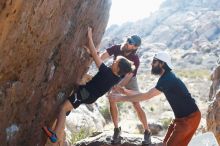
{"x": 42, "y": 60}
{"x": 213, "y": 115}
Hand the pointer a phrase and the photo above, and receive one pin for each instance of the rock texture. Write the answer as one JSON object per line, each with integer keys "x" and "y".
{"x": 85, "y": 118}
{"x": 213, "y": 116}
{"x": 104, "y": 139}
{"x": 42, "y": 60}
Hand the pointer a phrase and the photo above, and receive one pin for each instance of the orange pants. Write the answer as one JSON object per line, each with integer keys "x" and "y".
{"x": 181, "y": 130}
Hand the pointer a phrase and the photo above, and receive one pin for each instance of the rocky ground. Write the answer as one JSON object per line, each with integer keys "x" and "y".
{"x": 127, "y": 139}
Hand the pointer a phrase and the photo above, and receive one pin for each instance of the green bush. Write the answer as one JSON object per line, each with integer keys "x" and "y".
{"x": 166, "y": 122}
{"x": 196, "y": 73}
{"x": 106, "y": 113}
{"x": 151, "y": 108}
{"x": 83, "y": 133}
{"x": 120, "y": 105}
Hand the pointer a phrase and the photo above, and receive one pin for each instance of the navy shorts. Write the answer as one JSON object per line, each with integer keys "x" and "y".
{"x": 74, "y": 101}
{"x": 81, "y": 96}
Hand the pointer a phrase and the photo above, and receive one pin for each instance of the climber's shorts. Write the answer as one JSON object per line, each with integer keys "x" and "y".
{"x": 74, "y": 101}
{"x": 81, "y": 96}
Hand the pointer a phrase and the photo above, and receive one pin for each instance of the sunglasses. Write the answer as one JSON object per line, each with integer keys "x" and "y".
{"x": 129, "y": 41}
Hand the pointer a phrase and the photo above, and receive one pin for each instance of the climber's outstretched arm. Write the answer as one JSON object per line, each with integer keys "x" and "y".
{"x": 93, "y": 50}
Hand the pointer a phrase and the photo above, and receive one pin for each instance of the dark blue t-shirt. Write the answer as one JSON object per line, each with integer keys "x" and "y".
{"x": 177, "y": 95}
{"x": 101, "y": 83}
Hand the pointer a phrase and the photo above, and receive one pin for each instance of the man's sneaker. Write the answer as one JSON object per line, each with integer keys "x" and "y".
{"x": 147, "y": 138}
{"x": 116, "y": 138}
{"x": 50, "y": 134}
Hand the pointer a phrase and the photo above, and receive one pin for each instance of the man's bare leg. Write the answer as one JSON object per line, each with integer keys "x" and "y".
{"x": 114, "y": 113}
{"x": 61, "y": 141}
{"x": 141, "y": 115}
{"x": 61, "y": 119}
{"x": 117, "y": 130}
{"x": 143, "y": 119}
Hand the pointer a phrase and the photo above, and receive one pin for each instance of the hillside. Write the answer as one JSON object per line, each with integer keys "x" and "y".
{"x": 189, "y": 29}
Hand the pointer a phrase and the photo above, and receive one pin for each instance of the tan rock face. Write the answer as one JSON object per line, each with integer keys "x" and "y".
{"x": 41, "y": 61}
{"x": 213, "y": 116}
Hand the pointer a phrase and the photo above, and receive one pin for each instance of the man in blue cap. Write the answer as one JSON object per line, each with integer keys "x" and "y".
{"x": 128, "y": 50}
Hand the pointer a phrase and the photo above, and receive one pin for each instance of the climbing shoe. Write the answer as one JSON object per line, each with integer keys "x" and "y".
{"x": 50, "y": 134}
{"x": 116, "y": 138}
{"x": 147, "y": 138}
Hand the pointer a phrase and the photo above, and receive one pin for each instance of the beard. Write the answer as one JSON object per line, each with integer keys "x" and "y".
{"x": 156, "y": 70}
{"x": 126, "y": 50}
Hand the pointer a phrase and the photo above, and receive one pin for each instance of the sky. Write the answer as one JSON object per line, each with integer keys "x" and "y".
{"x": 131, "y": 10}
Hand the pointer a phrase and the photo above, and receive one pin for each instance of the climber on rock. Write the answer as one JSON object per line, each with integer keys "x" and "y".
{"x": 101, "y": 83}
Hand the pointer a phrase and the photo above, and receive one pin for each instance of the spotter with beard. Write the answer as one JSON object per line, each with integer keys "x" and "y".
{"x": 186, "y": 112}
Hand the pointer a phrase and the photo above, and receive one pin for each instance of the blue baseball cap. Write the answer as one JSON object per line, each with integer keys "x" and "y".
{"x": 134, "y": 40}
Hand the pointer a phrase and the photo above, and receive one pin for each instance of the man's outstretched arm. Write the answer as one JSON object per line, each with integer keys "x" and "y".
{"x": 104, "y": 56}
{"x": 135, "y": 97}
{"x": 92, "y": 49}
{"x": 126, "y": 79}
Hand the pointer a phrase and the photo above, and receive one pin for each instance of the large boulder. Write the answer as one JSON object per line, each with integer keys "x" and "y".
{"x": 213, "y": 116}
{"x": 86, "y": 118}
{"x": 42, "y": 60}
